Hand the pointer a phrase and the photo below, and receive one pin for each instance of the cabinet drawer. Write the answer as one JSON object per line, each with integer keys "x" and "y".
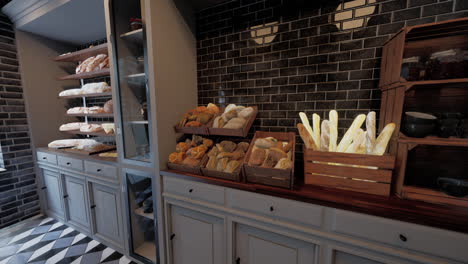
{"x": 432, "y": 241}
{"x": 282, "y": 209}
{"x": 194, "y": 190}
{"x": 70, "y": 163}
{"x": 101, "y": 170}
{"x": 47, "y": 157}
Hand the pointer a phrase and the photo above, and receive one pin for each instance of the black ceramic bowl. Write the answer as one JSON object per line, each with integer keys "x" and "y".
{"x": 418, "y": 130}
{"x": 453, "y": 187}
{"x": 419, "y": 118}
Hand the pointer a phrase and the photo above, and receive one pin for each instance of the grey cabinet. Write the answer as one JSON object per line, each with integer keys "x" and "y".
{"x": 256, "y": 246}
{"x": 52, "y": 193}
{"x": 106, "y": 213}
{"x": 76, "y": 202}
{"x": 195, "y": 237}
{"x": 340, "y": 257}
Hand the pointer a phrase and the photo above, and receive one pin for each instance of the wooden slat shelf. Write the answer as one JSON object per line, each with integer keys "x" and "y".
{"x": 87, "y": 95}
{"x": 97, "y": 134}
{"x": 93, "y": 115}
{"x": 135, "y": 35}
{"x": 83, "y": 54}
{"x": 434, "y": 141}
{"x": 86, "y": 75}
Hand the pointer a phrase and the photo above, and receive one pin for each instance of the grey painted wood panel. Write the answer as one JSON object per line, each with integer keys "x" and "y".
{"x": 198, "y": 191}
{"x": 47, "y": 157}
{"x": 255, "y": 246}
{"x": 77, "y": 202}
{"x": 70, "y": 163}
{"x": 197, "y": 237}
{"x": 101, "y": 171}
{"x": 346, "y": 258}
{"x": 53, "y": 193}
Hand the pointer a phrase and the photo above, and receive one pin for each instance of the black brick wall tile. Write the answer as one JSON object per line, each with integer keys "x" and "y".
{"x": 437, "y": 9}
{"x": 461, "y": 5}
{"x": 393, "y": 5}
{"x": 407, "y": 14}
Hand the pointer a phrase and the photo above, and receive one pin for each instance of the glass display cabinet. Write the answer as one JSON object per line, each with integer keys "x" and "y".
{"x": 141, "y": 211}
{"x": 130, "y": 79}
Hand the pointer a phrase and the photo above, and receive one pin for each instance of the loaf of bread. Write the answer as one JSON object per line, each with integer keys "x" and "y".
{"x": 257, "y": 157}
{"x": 97, "y": 87}
{"x": 306, "y": 137}
{"x": 109, "y": 128}
{"x": 104, "y": 64}
{"x": 325, "y": 135}
{"x": 82, "y": 67}
{"x": 351, "y": 133}
{"x": 91, "y": 128}
{"x": 359, "y": 138}
{"x": 67, "y": 143}
{"x": 108, "y": 107}
{"x": 333, "y": 125}
{"x": 370, "y": 133}
{"x": 94, "y": 110}
{"x": 77, "y": 110}
{"x": 71, "y": 92}
{"x": 235, "y": 123}
{"x": 94, "y": 64}
{"x": 111, "y": 154}
{"x": 316, "y": 130}
{"x": 383, "y": 139}
{"x": 232, "y": 166}
{"x": 246, "y": 113}
{"x": 284, "y": 164}
{"x": 71, "y": 126}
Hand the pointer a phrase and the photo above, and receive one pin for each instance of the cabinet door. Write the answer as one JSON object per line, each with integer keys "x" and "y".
{"x": 76, "y": 202}
{"x": 340, "y": 257}
{"x": 53, "y": 193}
{"x": 106, "y": 212}
{"x": 196, "y": 237}
{"x": 255, "y": 246}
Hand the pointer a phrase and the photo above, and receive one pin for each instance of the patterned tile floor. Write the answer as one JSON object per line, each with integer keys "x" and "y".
{"x": 43, "y": 240}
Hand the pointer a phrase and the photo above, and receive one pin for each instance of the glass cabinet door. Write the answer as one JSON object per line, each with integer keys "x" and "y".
{"x": 129, "y": 52}
{"x": 141, "y": 206}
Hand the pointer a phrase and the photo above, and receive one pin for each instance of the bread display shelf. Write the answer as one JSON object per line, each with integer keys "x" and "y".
{"x": 98, "y": 134}
{"x": 93, "y": 115}
{"x": 242, "y": 132}
{"x": 86, "y": 75}
{"x": 270, "y": 176}
{"x": 188, "y": 169}
{"x": 434, "y": 141}
{"x": 135, "y": 35}
{"x": 412, "y": 84}
{"x": 370, "y": 174}
{"x": 108, "y": 94}
{"x": 83, "y": 54}
{"x": 140, "y": 212}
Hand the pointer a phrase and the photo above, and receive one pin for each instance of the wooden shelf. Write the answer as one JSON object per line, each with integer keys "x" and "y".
{"x": 435, "y": 82}
{"x": 434, "y": 141}
{"x": 140, "y": 212}
{"x": 147, "y": 250}
{"x": 135, "y": 35}
{"x": 97, "y": 134}
{"x": 93, "y": 115}
{"x": 434, "y": 196}
{"x": 86, "y": 75}
{"x": 87, "y": 95}
{"x": 81, "y": 55}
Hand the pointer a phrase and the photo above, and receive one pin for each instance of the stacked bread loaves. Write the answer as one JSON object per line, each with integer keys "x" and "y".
{"x": 227, "y": 156}
{"x": 324, "y": 136}
{"x": 271, "y": 153}
{"x": 199, "y": 116}
{"x": 234, "y": 117}
{"x": 89, "y": 88}
{"x": 191, "y": 152}
{"x": 93, "y": 63}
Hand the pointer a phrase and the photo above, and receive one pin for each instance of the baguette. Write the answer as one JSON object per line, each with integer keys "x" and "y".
{"x": 370, "y": 132}
{"x": 357, "y": 141}
{"x": 351, "y": 133}
{"x": 325, "y": 135}
{"x": 333, "y": 126}
{"x": 306, "y": 137}
{"x": 305, "y": 122}
{"x": 383, "y": 139}
{"x": 316, "y": 130}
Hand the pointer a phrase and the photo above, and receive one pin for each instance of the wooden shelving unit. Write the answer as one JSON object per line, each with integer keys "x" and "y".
{"x": 81, "y": 55}
{"x": 93, "y": 115}
{"x": 420, "y": 161}
{"x": 86, "y": 75}
{"x": 97, "y": 134}
{"x": 108, "y": 94}
{"x": 135, "y": 35}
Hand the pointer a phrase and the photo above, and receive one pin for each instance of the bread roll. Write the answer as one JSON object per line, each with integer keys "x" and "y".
{"x": 257, "y": 157}
{"x": 109, "y": 107}
{"x": 383, "y": 139}
{"x": 276, "y": 154}
{"x": 212, "y": 107}
{"x": 284, "y": 164}
{"x": 246, "y": 113}
{"x": 212, "y": 162}
{"x": 232, "y": 166}
{"x": 192, "y": 162}
{"x": 264, "y": 143}
{"x": 351, "y": 133}
{"x": 229, "y": 108}
{"x": 370, "y": 132}
{"x": 227, "y": 146}
{"x": 177, "y": 157}
{"x": 333, "y": 126}
{"x": 235, "y": 123}
{"x": 242, "y": 146}
{"x": 325, "y": 136}
{"x": 97, "y": 87}
{"x": 222, "y": 164}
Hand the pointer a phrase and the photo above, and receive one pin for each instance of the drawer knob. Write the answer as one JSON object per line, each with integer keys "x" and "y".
{"x": 272, "y": 208}
{"x": 403, "y": 238}
{"x": 44, "y": 158}
{"x": 98, "y": 170}
{"x": 68, "y": 163}
{"x": 238, "y": 261}
{"x": 190, "y": 191}
{"x": 172, "y": 236}
{"x": 43, "y": 188}
{"x": 93, "y": 206}
{"x": 65, "y": 196}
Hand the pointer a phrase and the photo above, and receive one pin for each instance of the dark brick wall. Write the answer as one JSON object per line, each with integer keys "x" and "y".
{"x": 311, "y": 65}
{"x": 18, "y": 194}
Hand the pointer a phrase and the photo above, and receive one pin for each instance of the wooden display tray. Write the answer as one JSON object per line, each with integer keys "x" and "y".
{"x": 83, "y": 54}
{"x": 203, "y": 130}
{"x": 340, "y": 170}
{"x": 185, "y": 168}
{"x": 107, "y": 94}
{"x": 271, "y": 176}
{"x": 433, "y": 196}
{"x": 237, "y": 176}
{"x": 86, "y": 75}
{"x": 88, "y": 153}
{"x": 242, "y": 132}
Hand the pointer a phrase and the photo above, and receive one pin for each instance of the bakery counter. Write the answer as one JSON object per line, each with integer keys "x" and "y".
{"x": 440, "y": 216}
{"x": 64, "y": 153}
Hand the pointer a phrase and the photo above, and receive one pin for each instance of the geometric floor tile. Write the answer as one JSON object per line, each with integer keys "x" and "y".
{"x": 47, "y": 241}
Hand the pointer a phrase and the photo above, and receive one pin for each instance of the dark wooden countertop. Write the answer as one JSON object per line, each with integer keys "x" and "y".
{"x": 95, "y": 158}
{"x": 440, "y": 216}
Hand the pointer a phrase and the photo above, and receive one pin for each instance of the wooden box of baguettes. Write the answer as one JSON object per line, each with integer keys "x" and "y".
{"x": 270, "y": 176}
{"x": 363, "y": 173}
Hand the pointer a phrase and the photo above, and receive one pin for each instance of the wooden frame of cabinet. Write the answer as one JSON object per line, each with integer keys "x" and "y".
{"x": 68, "y": 198}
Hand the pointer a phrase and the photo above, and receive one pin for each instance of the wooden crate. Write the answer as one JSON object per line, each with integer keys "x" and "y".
{"x": 242, "y": 132}
{"x": 353, "y": 172}
{"x": 269, "y": 176}
{"x": 237, "y": 176}
{"x": 189, "y": 169}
